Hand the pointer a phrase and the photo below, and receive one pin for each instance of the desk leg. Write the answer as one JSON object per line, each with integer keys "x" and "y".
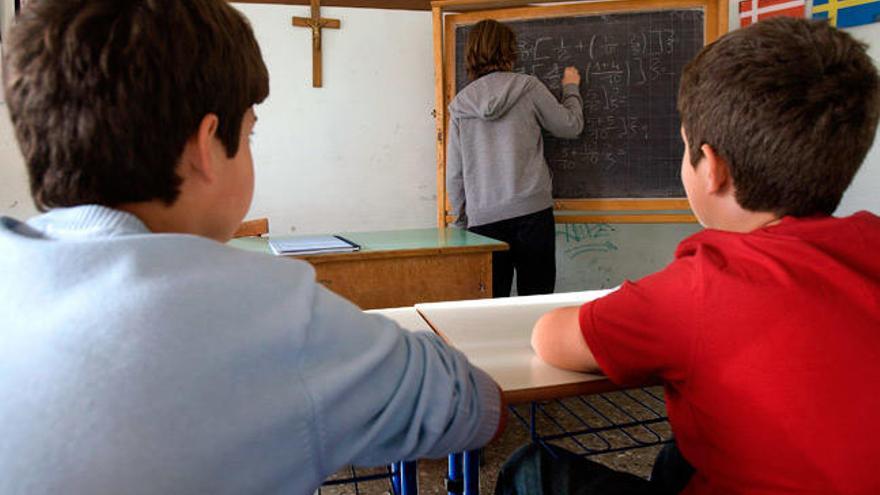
{"x": 533, "y": 428}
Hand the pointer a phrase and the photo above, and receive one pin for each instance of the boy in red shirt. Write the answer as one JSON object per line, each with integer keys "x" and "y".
{"x": 765, "y": 329}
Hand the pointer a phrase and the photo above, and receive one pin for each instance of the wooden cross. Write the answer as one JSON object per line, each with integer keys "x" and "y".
{"x": 316, "y": 23}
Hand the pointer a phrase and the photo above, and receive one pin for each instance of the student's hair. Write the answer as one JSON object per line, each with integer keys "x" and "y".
{"x": 792, "y": 107}
{"x": 104, "y": 94}
{"x": 491, "y": 47}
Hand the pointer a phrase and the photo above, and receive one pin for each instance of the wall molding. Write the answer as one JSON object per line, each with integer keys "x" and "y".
{"x": 369, "y": 4}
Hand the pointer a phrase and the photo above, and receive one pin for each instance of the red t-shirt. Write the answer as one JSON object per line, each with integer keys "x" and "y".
{"x": 768, "y": 346}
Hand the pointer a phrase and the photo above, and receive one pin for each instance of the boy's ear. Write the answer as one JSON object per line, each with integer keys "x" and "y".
{"x": 717, "y": 173}
{"x": 198, "y": 153}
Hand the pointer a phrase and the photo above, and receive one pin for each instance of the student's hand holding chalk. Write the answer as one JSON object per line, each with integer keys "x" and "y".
{"x": 571, "y": 76}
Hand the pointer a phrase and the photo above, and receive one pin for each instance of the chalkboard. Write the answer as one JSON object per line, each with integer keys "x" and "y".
{"x": 630, "y": 63}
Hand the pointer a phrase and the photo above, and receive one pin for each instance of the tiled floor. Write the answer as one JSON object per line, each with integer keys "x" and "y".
{"x": 596, "y": 412}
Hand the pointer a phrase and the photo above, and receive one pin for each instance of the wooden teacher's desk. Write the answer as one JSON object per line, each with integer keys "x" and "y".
{"x": 403, "y": 267}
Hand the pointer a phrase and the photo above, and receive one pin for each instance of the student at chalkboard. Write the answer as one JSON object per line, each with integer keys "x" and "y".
{"x": 765, "y": 329}
{"x": 138, "y": 353}
{"x": 497, "y": 179}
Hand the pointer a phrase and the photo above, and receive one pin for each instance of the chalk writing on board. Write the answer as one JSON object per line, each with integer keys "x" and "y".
{"x": 631, "y": 64}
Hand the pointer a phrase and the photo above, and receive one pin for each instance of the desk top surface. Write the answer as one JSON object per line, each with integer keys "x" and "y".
{"x": 495, "y": 334}
{"x": 408, "y": 318}
{"x": 390, "y": 241}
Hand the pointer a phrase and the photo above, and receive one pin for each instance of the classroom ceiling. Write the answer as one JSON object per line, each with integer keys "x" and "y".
{"x": 372, "y": 4}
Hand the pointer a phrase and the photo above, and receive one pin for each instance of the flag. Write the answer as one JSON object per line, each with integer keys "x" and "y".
{"x": 751, "y": 11}
{"x": 847, "y": 13}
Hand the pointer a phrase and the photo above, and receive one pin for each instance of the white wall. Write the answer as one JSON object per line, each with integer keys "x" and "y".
{"x": 15, "y": 198}
{"x": 357, "y": 154}
{"x": 864, "y": 193}
{"x": 7, "y": 13}
{"x": 601, "y": 256}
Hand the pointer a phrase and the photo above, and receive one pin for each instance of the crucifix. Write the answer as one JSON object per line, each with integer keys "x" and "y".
{"x": 316, "y": 23}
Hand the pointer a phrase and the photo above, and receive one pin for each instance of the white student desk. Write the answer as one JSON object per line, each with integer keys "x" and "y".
{"x": 408, "y": 318}
{"x": 495, "y": 335}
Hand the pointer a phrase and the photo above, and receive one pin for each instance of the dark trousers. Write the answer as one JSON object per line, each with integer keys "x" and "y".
{"x": 532, "y": 241}
{"x": 533, "y": 470}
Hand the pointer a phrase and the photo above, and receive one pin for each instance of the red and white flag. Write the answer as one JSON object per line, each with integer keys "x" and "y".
{"x": 751, "y": 11}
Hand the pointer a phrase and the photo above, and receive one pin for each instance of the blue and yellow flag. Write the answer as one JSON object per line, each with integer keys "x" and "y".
{"x": 847, "y": 13}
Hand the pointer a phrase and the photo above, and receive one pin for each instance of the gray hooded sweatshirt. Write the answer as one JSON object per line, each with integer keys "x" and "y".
{"x": 495, "y": 167}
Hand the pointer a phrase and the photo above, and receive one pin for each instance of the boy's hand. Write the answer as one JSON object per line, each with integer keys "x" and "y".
{"x": 571, "y": 76}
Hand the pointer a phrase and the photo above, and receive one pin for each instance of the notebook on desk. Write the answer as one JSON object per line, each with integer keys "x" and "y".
{"x": 314, "y": 244}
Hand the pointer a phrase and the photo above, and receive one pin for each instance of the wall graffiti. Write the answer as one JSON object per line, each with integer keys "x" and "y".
{"x": 580, "y": 239}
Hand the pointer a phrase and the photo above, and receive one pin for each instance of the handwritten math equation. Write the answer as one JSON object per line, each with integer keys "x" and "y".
{"x": 635, "y": 61}
{"x": 611, "y": 65}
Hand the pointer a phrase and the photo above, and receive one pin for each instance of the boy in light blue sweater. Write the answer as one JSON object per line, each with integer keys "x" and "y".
{"x": 138, "y": 353}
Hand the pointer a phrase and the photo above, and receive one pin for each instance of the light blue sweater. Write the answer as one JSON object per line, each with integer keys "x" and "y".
{"x": 133, "y": 362}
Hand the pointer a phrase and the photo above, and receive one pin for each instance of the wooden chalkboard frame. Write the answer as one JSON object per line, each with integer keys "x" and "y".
{"x": 449, "y": 14}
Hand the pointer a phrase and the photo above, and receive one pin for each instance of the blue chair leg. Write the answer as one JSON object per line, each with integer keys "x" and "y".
{"x": 464, "y": 473}
{"x": 409, "y": 478}
{"x": 396, "y": 480}
{"x": 472, "y": 472}
{"x": 455, "y": 479}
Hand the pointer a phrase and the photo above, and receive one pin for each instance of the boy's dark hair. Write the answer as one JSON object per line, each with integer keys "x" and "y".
{"x": 491, "y": 46}
{"x": 792, "y": 107}
{"x": 104, "y": 94}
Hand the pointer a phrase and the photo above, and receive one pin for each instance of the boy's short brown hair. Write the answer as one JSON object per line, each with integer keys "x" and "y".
{"x": 104, "y": 94}
{"x": 791, "y": 105}
{"x": 491, "y": 46}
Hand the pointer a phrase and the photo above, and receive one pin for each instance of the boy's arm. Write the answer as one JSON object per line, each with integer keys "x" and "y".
{"x": 454, "y": 177}
{"x": 383, "y": 394}
{"x": 643, "y": 332}
{"x": 502, "y": 418}
{"x": 563, "y": 120}
{"x": 558, "y": 340}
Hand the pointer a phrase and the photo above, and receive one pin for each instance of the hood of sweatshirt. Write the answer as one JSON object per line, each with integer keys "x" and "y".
{"x": 491, "y": 96}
